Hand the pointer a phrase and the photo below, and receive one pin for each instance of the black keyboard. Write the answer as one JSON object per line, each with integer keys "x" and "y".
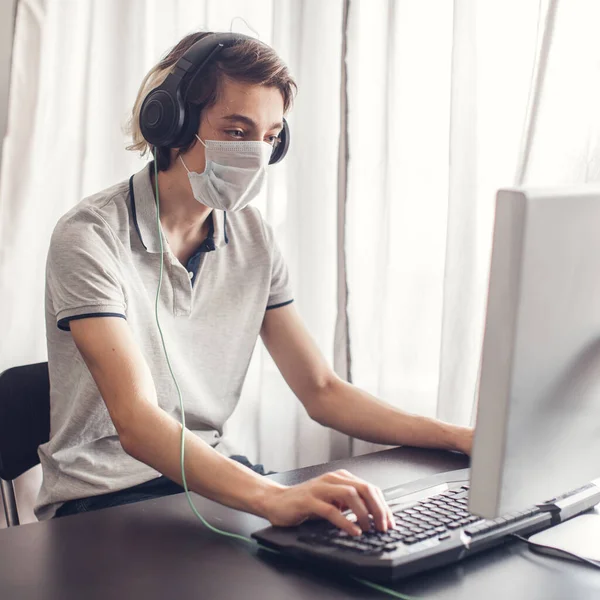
{"x": 434, "y": 517}
{"x": 433, "y": 528}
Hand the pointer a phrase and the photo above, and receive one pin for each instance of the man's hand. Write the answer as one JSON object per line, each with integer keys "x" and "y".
{"x": 328, "y": 496}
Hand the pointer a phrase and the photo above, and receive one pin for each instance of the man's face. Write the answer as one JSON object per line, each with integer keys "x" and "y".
{"x": 243, "y": 111}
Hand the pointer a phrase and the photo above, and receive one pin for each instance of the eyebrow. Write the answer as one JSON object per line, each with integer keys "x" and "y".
{"x": 248, "y": 121}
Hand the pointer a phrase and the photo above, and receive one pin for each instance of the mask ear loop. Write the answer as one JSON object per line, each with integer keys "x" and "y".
{"x": 184, "y": 165}
{"x": 181, "y": 157}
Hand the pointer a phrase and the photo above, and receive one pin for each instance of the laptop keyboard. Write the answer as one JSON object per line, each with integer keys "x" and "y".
{"x": 433, "y": 517}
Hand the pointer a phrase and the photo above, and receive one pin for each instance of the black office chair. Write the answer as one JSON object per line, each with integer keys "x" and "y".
{"x": 24, "y": 425}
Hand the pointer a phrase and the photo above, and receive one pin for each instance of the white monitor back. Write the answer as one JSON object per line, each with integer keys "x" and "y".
{"x": 538, "y": 418}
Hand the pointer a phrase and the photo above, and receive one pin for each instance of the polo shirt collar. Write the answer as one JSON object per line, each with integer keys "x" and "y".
{"x": 143, "y": 211}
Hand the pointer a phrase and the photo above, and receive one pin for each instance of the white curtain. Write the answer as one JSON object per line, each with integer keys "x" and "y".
{"x": 410, "y": 114}
{"x": 427, "y": 152}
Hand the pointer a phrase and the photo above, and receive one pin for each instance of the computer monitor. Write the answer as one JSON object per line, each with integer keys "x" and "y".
{"x": 537, "y": 432}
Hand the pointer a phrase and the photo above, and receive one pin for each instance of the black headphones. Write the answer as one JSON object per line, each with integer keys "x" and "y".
{"x": 167, "y": 120}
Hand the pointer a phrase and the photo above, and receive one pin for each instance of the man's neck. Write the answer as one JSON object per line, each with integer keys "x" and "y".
{"x": 181, "y": 215}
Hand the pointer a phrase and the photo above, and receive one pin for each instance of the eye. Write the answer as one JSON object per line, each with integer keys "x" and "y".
{"x": 236, "y": 133}
{"x": 273, "y": 140}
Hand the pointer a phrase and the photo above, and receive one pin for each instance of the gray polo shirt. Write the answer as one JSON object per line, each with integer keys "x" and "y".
{"x": 104, "y": 260}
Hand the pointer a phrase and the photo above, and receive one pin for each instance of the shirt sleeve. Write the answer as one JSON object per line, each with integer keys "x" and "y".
{"x": 280, "y": 293}
{"x": 83, "y": 274}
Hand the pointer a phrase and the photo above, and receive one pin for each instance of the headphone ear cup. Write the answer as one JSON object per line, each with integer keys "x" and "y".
{"x": 161, "y": 117}
{"x": 281, "y": 149}
{"x": 190, "y": 126}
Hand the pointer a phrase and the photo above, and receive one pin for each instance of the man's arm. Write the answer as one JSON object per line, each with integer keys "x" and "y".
{"x": 150, "y": 435}
{"x": 342, "y": 406}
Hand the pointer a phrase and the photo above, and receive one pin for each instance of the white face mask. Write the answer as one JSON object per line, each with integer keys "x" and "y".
{"x": 235, "y": 173}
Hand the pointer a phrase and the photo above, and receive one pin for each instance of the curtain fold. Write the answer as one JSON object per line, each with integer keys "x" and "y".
{"x": 399, "y": 74}
{"x": 563, "y": 142}
{"x": 341, "y": 445}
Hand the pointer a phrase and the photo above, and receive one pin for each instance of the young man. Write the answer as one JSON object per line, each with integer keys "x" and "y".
{"x": 115, "y": 408}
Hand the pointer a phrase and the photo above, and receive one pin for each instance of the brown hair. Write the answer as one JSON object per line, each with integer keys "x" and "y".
{"x": 248, "y": 60}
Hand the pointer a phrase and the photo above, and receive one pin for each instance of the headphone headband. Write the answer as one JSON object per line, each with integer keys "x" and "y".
{"x": 167, "y": 119}
{"x": 200, "y": 54}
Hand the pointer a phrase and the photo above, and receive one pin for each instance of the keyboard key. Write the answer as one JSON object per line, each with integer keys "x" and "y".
{"x": 411, "y": 540}
{"x": 476, "y": 529}
{"x": 397, "y": 534}
{"x": 390, "y": 547}
{"x": 421, "y": 536}
{"x": 444, "y": 536}
{"x": 440, "y": 529}
{"x": 386, "y": 538}
{"x": 427, "y": 519}
{"x": 348, "y": 544}
{"x": 362, "y": 547}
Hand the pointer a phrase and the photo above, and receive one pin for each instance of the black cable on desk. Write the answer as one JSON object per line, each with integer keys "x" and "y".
{"x": 556, "y": 551}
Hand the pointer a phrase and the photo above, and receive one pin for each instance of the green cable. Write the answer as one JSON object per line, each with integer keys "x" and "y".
{"x": 384, "y": 590}
{"x": 370, "y": 584}
{"x": 183, "y": 477}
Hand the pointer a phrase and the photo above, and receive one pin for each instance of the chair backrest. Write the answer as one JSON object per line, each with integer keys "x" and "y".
{"x": 24, "y": 417}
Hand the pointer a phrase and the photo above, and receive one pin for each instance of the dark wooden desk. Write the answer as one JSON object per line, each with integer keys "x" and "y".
{"x": 157, "y": 550}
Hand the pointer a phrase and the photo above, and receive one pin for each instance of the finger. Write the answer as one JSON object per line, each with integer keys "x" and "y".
{"x": 390, "y": 515}
{"x": 374, "y": 501}
{"x": 347, "y": 495}
{"x": 333, "y": 515}
{"x": 391, "y": 520}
